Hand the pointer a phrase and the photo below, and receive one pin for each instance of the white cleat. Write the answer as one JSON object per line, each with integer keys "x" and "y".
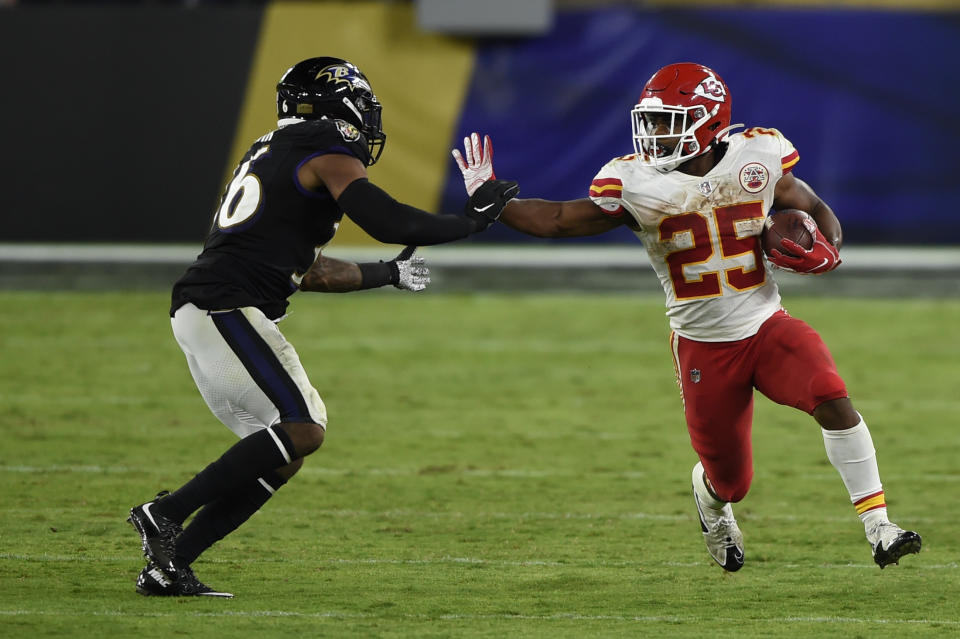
{"x": 720, "y": 531}
{"x": 890, "y": 542}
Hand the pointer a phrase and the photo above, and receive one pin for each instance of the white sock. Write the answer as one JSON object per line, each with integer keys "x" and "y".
{"x": 706, "y": 499}
{"x": 851, "y": 452}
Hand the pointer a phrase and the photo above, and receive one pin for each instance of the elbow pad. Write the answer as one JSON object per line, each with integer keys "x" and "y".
{"x": 393, "y": 222}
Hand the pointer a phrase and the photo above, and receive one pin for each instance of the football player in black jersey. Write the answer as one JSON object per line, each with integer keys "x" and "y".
{"x": 282, "y": 206}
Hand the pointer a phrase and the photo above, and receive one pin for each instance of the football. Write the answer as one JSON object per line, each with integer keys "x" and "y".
{"x": 788, "y": 224}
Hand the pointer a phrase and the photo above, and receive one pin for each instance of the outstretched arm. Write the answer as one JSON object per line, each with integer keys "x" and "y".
{"x": 540, "y": 218}
{"x": 572, "y": 218}
{"x": 380, "y": 215}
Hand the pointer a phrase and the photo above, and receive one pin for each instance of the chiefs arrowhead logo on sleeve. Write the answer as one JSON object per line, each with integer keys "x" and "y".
{"x": 606, "y": 193}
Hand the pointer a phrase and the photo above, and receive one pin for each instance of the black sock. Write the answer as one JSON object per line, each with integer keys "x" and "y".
{"x": 251, "y": 457}
{"x": 220, "y": 518}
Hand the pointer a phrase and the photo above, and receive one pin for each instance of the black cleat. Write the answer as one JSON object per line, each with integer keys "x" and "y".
{"x": 890, "y": 542}
{"x": 154, "y": 582}
{"x": 157, "y": 535}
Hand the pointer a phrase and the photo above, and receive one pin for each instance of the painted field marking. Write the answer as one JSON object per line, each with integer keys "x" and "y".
{"x": 446, "y": 560}
{"x": 519, "y": 473}
{"x": 559, "y": 616}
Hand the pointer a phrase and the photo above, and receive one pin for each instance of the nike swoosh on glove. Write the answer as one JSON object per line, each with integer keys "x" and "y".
{"x": 820, "y": 258}
{"x": 487, "y": 202}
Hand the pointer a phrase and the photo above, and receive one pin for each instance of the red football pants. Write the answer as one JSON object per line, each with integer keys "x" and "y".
{"x": 786, "y": 360}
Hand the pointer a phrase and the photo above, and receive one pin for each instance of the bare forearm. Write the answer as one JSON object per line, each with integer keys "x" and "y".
{"x": 543, "y": 218}
{"x": 533, "y": 217}
{"x": 828, "y": 223}
{"x": 329, "y": 275}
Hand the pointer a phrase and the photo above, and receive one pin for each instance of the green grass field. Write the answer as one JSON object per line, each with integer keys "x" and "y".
{"x": 495, "y": 466}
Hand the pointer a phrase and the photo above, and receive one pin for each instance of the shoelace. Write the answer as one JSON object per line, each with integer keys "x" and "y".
{"x": 877, "y": 532}
{"x": 722, "y": 528}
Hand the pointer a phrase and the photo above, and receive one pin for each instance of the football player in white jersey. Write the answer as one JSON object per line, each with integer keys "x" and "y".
{"x": 697, "y": 195}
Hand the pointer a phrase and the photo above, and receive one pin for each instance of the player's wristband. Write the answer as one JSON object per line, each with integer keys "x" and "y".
{"x": 377, "y": 274}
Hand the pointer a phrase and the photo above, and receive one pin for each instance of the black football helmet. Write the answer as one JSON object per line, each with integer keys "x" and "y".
{"x": 334, "y": 88}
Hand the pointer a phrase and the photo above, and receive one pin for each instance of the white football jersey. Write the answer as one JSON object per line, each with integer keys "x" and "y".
{"x": 702, "y": 233}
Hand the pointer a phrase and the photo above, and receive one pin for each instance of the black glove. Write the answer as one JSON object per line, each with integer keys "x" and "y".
{"x": 487, "y": 202}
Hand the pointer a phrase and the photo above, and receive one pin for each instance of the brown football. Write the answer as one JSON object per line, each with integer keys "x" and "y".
{"x": 788, "y": 224}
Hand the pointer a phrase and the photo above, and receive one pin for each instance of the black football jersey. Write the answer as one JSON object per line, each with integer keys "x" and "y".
{"x": 267, "y": 229}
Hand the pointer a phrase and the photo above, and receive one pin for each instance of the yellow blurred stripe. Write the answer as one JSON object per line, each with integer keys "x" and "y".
{"x": 420, "y": 79}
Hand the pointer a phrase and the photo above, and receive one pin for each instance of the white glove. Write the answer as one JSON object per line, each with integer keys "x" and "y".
{"x": 478, "y": 166}
{"x": 412, "y": 273}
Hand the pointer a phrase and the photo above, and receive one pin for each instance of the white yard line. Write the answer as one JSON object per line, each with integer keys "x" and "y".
{"x": 552, "y": 256}
{"x": 439, "y": 561}
{"x": 508, "y": 473}
{"x": 434, "y": 515}
{"x": 559, "y": 616}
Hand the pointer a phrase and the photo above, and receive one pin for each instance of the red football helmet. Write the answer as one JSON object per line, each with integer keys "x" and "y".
{"x": 683, "y": 111}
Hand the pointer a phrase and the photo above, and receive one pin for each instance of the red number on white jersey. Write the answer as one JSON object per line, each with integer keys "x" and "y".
{"x": 732, "y": 244}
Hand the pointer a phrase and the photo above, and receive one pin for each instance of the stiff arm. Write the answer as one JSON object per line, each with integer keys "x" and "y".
{"x": 570, "y": 218}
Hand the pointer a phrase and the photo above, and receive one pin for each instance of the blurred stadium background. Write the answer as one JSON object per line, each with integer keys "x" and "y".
{"x": 121, "y": 120}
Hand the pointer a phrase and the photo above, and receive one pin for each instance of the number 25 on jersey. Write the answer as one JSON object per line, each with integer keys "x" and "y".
{"x": 730, "y": 243}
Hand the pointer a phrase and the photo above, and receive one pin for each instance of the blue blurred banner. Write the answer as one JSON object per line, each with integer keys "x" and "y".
{"x": 869, "y": 98}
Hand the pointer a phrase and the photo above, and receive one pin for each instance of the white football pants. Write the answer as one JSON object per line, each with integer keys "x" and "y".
{"x": 248, "y": 373}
